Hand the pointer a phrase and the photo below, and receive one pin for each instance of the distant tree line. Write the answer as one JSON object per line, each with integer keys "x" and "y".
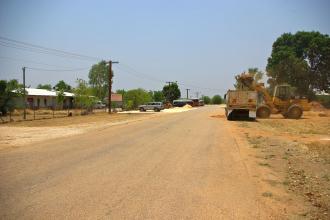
{"x": 215, "y": 100}
{"x": 61, "y": 85}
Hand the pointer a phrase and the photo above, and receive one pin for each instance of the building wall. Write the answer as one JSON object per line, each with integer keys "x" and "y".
{"x": 47, "y": 102}
{"x": 40, "y": 101}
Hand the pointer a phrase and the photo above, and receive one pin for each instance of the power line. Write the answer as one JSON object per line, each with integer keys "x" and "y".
{"x": 58, "y": 70}
{"x": 30, "y": 61}
{"x": 11, "y": 43}
{"x": 198, "y": 87}
{"x": 146, "y": 76}
{"x": 20, "y": 43}
{"x": 163, "y": 81}
{"x": 139, "y": 75}
{"x": 38, "y": 51}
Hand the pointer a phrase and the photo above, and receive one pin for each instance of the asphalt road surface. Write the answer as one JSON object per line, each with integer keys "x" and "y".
{"x": 176, "y": 166}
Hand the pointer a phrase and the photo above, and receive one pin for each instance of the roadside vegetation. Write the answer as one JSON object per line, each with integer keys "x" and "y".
{"x": 8, "y": 99}
{"x": 215, "y": 100}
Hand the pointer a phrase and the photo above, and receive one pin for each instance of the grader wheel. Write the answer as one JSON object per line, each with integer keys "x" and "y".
{"x": 263, "y": 112}
{"x": 294, "y": 112}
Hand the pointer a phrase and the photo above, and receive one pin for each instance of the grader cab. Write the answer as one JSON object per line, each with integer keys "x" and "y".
{"x": 289, "y": 103}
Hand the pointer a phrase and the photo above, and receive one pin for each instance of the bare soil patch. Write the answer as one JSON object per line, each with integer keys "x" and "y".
{"x": 54, "y": 122}
{"x": 291, "y": 161}
{"x": 17, "y": 134}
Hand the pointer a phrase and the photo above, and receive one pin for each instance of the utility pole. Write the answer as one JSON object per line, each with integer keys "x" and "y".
{"x": 169, "y": 85}
{"x": 110, "y": 83}
{"x": 187, "y": 93}
{"x": 24, "y": 94}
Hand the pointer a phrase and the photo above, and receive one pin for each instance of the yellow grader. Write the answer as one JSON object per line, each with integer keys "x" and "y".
{"x": 283, "y": 101}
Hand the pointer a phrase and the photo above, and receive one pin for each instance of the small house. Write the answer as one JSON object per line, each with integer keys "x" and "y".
{"x": 42, "y": 98}
{"x": 116, "y": 100}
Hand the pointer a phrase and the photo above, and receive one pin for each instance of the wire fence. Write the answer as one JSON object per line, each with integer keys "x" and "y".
{"x": 46, "y": 113}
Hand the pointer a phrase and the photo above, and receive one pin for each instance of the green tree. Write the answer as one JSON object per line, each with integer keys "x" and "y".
{"x": 61, "y": 85}
{"x": 60, "y": 98}
{"x": 216, "y": 100}
{"x": 99, "y": 79}
{"x": 83, "y": 95}
{"x": 45, "y": 86}
{"x": 206, "y": 99}
{"x": 14, "y": 85}
{"x": 254, "y": 72}
{"x": 171, "y": 92}
{"x": 135, "y": 97}
{"x": 8, "y": 95}
{"x": 121, "y": 91}
{"x": 158, "y": 96}
{"x": 302, "y": 60}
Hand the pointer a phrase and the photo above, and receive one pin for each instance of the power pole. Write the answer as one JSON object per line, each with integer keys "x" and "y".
{"x": 187, "y": 93}
{"x": 110, "y": 83}
{"x": 24, "y": 95}
{"x": 169, "y": 85}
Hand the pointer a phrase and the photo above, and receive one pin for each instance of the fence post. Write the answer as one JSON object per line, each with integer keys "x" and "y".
{"x": 34, "y": 113}
{"x": 53, "y": 111}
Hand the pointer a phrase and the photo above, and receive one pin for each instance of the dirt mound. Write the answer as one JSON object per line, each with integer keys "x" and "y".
{"x": 187, "y": 106}
{"x": 316, "y": 106}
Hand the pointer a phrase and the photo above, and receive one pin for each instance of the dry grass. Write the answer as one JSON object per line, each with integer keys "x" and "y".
{"x": 26, "y": 132}
{"x": 65, "y": 121}
{"x": 302, "y": 126}
{"x": 297, "y": 152}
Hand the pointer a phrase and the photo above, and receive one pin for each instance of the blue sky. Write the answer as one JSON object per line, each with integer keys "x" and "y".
{"x": 200, "y": 44}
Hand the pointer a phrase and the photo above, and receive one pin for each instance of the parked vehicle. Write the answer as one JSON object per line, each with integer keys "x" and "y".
{"x": 182, "y": 102}
{"x": 241, "y": 104}
{"x": 99, "y": 105}
{"x": 156, "y": 106}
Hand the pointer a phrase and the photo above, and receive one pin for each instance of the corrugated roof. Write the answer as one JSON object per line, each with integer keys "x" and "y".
{"x": 44, "y": 92}
{"x": 68, "y": 94}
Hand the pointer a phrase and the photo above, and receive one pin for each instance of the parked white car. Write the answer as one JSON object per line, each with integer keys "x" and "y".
{"x": 99, "y": 105}
{"x": 156, "y": 106}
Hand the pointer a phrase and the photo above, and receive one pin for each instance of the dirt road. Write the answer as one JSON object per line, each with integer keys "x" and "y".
{"x": 177, "y": 166}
